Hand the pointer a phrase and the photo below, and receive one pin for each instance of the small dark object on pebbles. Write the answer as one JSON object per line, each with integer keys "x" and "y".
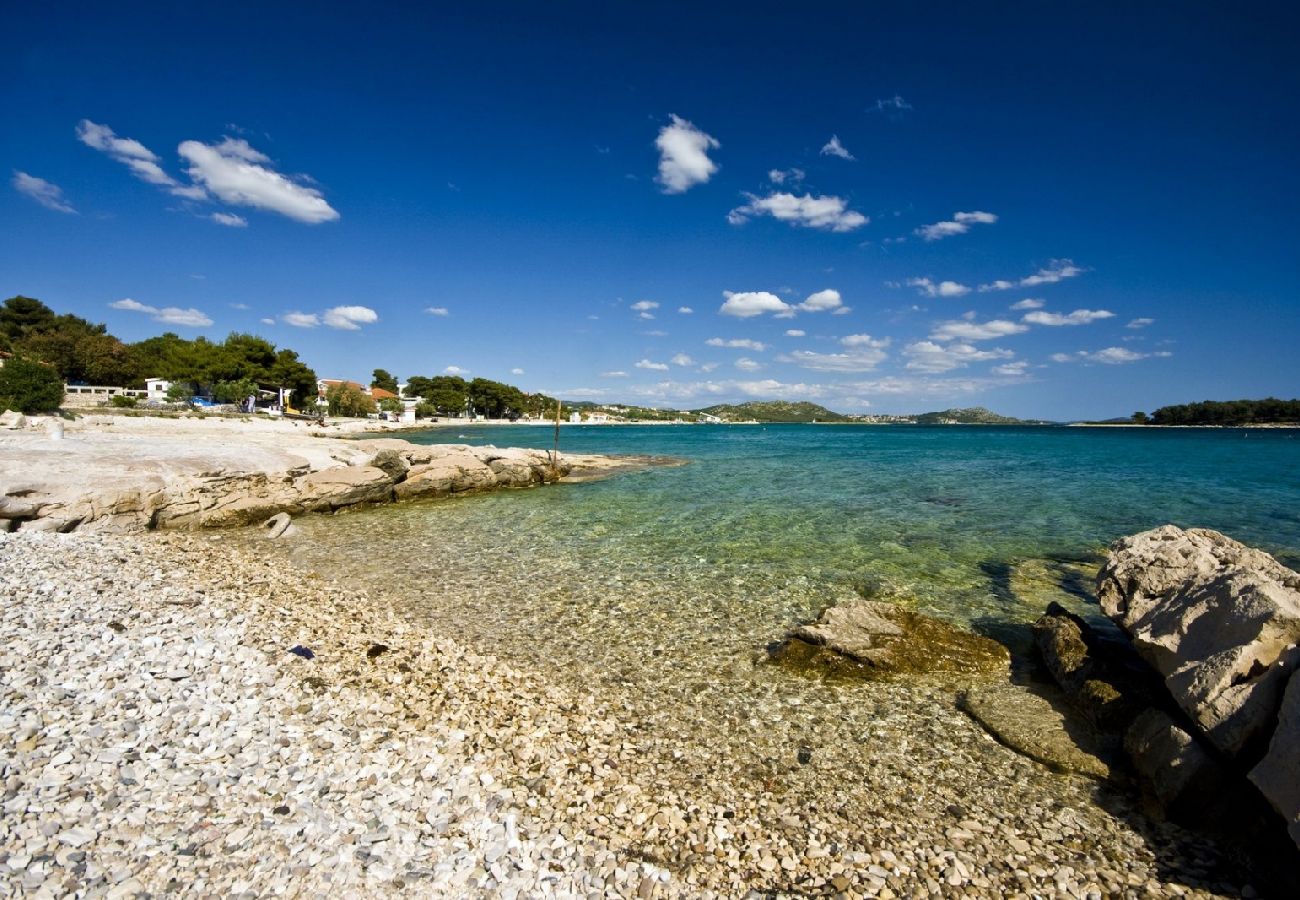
{"x": 117, "y": 626}
{"x": 281, "y": 810}
{"x": 805, "y": 755}
{"x": 300, "y": 650}
{"x": 376, "y": 650}
{"x": 957, "y": 812}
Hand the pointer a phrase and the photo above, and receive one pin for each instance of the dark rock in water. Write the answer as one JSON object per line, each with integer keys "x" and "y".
{"x": 300, "y": 650}
{"x": 1102, "y": 678}
{"x": 376, "y": 650}
{"x": 873, "y": 639}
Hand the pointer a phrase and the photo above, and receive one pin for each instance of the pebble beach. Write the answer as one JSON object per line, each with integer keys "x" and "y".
{"x": 180, "y": 714}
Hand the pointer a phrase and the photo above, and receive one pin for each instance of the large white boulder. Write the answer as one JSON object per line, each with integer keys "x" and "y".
{"x": 1218, "y": 620}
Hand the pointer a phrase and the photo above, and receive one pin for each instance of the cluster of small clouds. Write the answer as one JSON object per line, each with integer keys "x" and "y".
{"x": 343, "y": 318}
{"x": 747, "y": 304}
{"x": 833, "y": 147}
{"x": 928, "y": 288}
{"x": 1056, "y": 270}
{"x": 232, "y": 172}
{"x": 170, "y": 315}
{"x": 960, "y": 223}
{"x": 862, "y": 353}
{"x": 1111, "y": 356}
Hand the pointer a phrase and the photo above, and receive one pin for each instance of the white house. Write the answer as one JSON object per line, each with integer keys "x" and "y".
{"x": 156, "y": 388}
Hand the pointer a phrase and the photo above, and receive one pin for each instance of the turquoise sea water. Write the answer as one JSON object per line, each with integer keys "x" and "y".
{"x": 767, "y": 525}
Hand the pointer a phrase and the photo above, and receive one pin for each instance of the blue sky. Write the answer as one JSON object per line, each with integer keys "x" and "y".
{"x": 1053, "y": 212}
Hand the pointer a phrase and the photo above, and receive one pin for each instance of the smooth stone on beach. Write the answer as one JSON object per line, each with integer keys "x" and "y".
{"x": 1032, "y": 725}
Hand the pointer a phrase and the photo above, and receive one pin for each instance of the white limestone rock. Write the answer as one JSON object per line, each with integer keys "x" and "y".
{"x": 1219, "y": 621}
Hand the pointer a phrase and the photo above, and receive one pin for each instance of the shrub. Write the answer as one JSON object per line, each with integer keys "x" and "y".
{"x": 122, "y": 401}
{"x": 29, "y": 387}
{"x": 348, "y": 400}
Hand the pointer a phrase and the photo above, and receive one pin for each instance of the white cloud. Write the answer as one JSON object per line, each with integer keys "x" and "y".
{"x": 737, "y": 344}
{"x": 781, "y": 176}
{"x": 928, "y": 288}
{"x": 645, "y": 305}
{"x": 301, "y": 319}
{"x": 1078, "y": 317}
{"x": 229, "y": 219}
{"x": 240, "y": 306}
{"x": 976, "y": 331}
{"x": 613, "y": 374}
{"x": 894, "y": 104}
{"x": 1011, "y": 369}
{"x": 455, "y": 370}
{"x": 142, "y": 161}
{"x": 863, "y": 340}
{"x": 960, "y": 223}
{"x": 795, "y": 332}
{"x": 1140, "y": 323}
{"x": 437, "y": 310}
{"x": 170, "y": 315}
{"x": 681, "y": 359}
{"x": 45, "y": 193}
{"x": 835, "y": 148}
{"x": 745, "y": 364}
{"x": 708, "y": 367}
{"x": 929, "y": 357}
{"x": 1056, "y": 270}
{"x": 746, "y": 304}
{"x": 645, "y": 315}
{"x": 239, "y": 175}
{"x": 267, "y": 321}
{"x": 516, "y": 371}
{"x": 826, "y": 213}
{"x": 1110, "y": 356}
{"x": 1027, "y": 303}
{"x": 656, "y": 333}
{"x": 685, "y": 310}
{"x": 684, "y": 156}
{"x": 656, "y": 366}
{"x": 349, "y": 318}
{"x": 821, "y": 301}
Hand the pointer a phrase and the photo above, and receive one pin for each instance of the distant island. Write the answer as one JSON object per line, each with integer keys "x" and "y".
{"x": 786, "y": 412}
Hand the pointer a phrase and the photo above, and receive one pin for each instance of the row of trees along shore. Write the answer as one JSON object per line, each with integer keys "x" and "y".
{"x": 1269, "y": 411}
{"x": 50, "y": 349}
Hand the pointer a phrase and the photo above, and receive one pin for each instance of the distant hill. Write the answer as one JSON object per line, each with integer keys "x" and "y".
{"x": 975, "y": 415}
{"x": 772, "y": 411}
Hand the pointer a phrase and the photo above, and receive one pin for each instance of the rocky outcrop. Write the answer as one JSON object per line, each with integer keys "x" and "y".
{"x": 1217, "y": 620}
{"x": 218, "y": 474}
{"x": 1220, "y": 623}
{"x": 875, "y": 638}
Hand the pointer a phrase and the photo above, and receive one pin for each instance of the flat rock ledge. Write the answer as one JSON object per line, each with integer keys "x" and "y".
{"x": 218, "y": 473}
{"x": 874, "y": 639}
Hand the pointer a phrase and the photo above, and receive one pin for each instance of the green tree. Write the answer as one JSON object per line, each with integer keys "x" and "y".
{"x": 233, "y": 391}
{"x": 1140, "y": 418}
{"x": 380, "y": 378}
{"x": 290, "y": 372}
{"x": 21, "y": 316}
{"x": 446, "y": 393}
{"x": 346, "y": 399}
{"x": 29, "y": 387}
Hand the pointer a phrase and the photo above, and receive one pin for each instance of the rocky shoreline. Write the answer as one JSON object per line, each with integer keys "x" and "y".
{"x": 132, "y": 474}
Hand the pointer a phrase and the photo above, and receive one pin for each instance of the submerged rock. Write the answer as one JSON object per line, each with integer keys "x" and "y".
{"x": 1218, "y": 620}
{"x": 1032, "y": 725}
{"x": 870, "y": 637}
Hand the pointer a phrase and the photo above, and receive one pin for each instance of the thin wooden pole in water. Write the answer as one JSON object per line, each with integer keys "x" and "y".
{"x": 555, "y": 453}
